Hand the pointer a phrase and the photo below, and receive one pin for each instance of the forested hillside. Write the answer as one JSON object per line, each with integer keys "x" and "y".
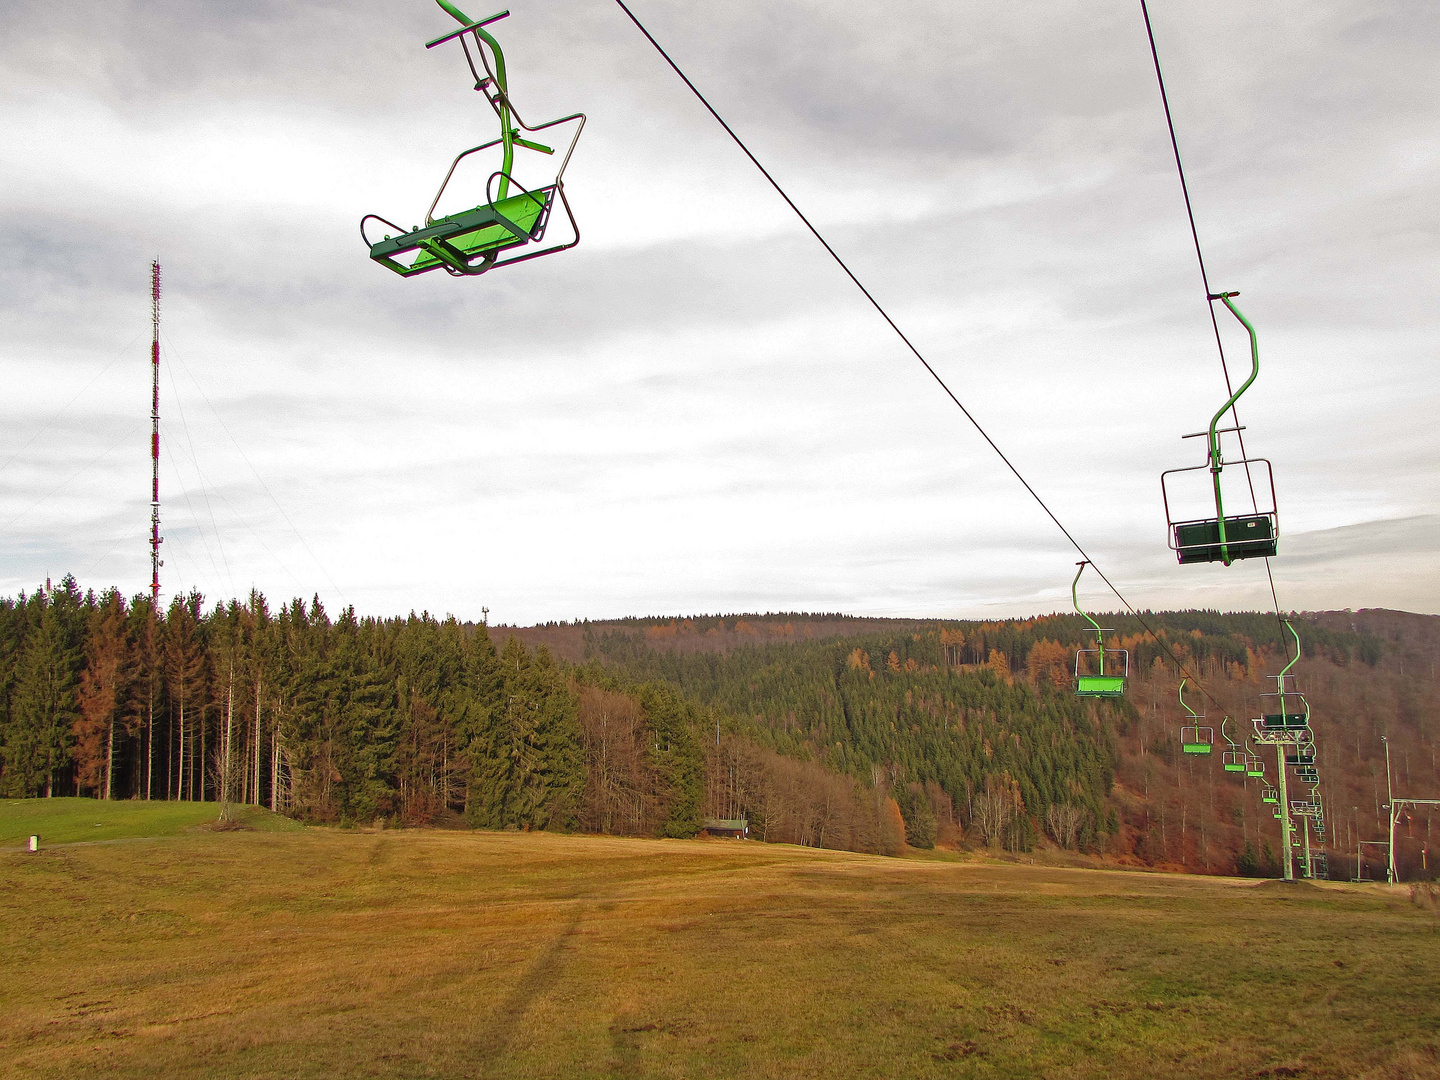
{"x": 411, "y": 721}
{"x": 984, "y": 709}
{"x": 821, "y": 730}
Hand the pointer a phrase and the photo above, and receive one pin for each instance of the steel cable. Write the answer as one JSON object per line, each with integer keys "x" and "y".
{"x": 911, "y": 346}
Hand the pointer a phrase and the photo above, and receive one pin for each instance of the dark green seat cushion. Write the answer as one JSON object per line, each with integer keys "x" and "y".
{"x": 1246, "y": 537}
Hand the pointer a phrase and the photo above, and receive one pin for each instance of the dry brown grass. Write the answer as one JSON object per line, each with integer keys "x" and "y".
{"x": 345, "y": 954}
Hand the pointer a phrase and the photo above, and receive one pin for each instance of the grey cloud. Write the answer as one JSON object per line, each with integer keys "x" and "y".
{"x": 1051, "y": 280}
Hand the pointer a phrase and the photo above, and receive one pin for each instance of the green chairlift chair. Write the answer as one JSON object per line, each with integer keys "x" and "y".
{"x": 1285, "y": 710}
{"x": 1195, "y": 738}
{"x": 1225, "y": 538}
{"x": 1253, "y": 765}
{"x": 1234, "y": 758}
{"x": 1099, "y": 683}
{"x": 509, "y": 226}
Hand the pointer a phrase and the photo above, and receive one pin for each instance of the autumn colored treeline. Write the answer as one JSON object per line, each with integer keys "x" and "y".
{"x": 413, "y": 720}
{"x": 962, "y": 749}
{"x": 831, "y": 732}
{"x": 902, "y": 703}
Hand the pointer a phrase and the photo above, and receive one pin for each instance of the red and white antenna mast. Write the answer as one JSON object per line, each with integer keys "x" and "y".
{"x": 155, "y": 538}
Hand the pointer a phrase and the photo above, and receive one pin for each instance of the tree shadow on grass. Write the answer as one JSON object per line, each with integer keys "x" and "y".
{"x": 497, "y": 1033}
{"x": 625, "y": 1046}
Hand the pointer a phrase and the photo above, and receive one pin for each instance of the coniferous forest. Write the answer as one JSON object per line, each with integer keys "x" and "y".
{"x": 871, "y": 735}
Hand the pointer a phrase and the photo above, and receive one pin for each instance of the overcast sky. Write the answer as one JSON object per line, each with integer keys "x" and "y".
{"x": 693, "y": 410}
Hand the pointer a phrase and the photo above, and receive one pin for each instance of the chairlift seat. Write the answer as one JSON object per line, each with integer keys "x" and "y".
{"x": 1197, "y": 739}
{"x": 1286, "y": 721}
{"x": 455, "y": 240}
{"x": 1108, "y": 686}
{"x": 1247, "y": 536}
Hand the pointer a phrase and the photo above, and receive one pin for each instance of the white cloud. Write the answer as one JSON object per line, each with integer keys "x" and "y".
{"x": 694, "y": 410}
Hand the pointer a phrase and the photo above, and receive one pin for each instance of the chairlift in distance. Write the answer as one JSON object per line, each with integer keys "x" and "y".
{"x": 477, "y": 240}
{"x": 1234, "y": 758}
{"x": 1100, "y": 683}
{"x": 1269, "y": 794}
{"x": 1225, "y": 538}
{"x": 1253, "y": 765}
{"x": 1290, "y": 720}
{"x": 1303, "y": 756}
{"x": 1195, "y": 738}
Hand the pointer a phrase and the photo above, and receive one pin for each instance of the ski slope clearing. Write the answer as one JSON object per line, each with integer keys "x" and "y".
{"x": 327, "y": 953}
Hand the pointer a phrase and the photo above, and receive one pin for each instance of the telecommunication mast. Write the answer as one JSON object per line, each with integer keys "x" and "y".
{"x": 155, "y": 538}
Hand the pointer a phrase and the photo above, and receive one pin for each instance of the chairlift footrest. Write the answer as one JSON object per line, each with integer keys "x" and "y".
{"x": 462, "y": 241}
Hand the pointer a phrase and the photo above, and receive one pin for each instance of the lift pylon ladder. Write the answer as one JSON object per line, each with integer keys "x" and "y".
{"x": 1098, "y": 683}
{"x": 509, "y": 226}
{"x": 1225, "y": 538}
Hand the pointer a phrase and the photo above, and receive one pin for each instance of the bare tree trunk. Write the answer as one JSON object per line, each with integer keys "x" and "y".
{"x": 274, "y": 764}
{"x": 180, "y": 752}
{"x": 225, "y": 813}
{"x": 109, "y": 758}
{"x": 257, "y": 741}
{"x": 150, "y": 747}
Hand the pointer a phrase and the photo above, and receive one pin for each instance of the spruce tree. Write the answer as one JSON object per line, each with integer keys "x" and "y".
{"x": 44, "y": 708}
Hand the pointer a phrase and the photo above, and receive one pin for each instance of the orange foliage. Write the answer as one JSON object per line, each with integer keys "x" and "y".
{"x": 999, "y": 663}
{"x": 1049, "y": 660}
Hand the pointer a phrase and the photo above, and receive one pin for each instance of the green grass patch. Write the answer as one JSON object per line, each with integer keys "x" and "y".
{"x": 325, "y": 953}
{"x": 70, "y": 821}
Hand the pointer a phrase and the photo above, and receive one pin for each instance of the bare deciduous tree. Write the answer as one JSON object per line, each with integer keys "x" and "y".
{"x": 1063, "y": 821}
{"x": 992, "y": 814}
